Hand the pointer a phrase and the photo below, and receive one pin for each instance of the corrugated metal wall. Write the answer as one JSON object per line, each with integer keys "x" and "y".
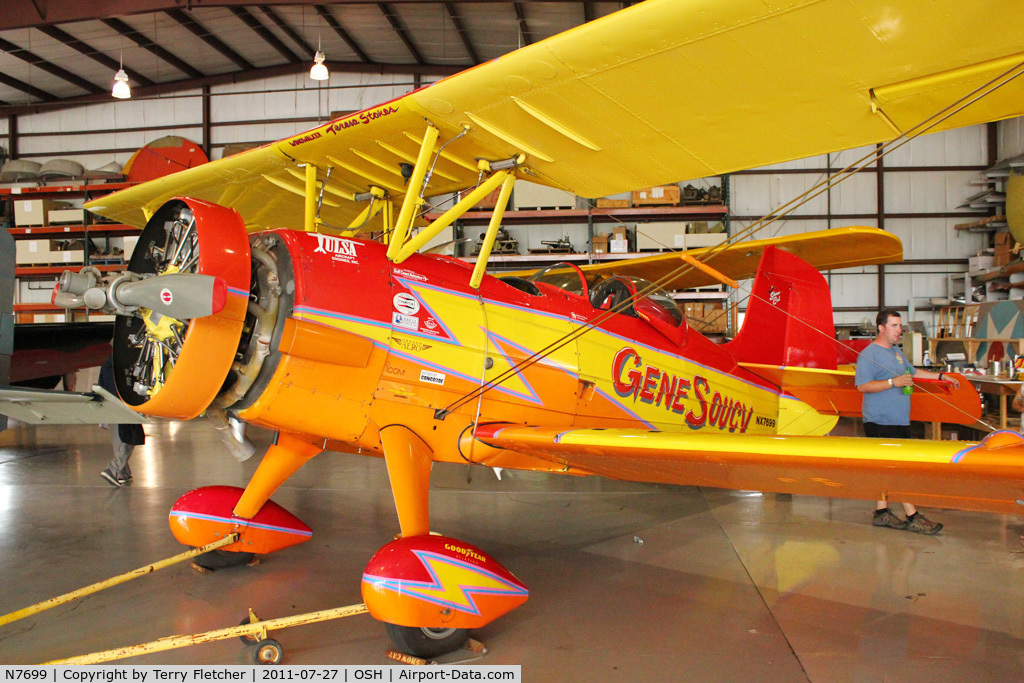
{"x": 923, "y": 181}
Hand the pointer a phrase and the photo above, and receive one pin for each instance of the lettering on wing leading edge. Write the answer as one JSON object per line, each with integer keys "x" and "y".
{"x": 341, "y": 124}
{"x": 361, "y": 118}
{"x": 648, "y": 384}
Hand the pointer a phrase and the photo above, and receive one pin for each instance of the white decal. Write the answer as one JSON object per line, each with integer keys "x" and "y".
{"x": 431, "y": 377}
{"x": 430, "y": 323}
{"x": 339, "y": 249}
{"x": 775, "y": 296}
{"x": 407, "y": 321}
{"x": 410, "y": 275}
{"x": 406, "y": 303}
{"x": 577, "y": 316}
{"x": 166, "y": 297}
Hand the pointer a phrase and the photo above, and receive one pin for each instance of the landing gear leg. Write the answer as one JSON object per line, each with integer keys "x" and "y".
{"x": 283, "y": 458}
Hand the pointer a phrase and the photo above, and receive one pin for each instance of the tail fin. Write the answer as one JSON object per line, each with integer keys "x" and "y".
{"x": 789, "y": 316}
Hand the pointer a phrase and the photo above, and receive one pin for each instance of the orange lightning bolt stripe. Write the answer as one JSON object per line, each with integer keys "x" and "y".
{"x": 454, "y": 583}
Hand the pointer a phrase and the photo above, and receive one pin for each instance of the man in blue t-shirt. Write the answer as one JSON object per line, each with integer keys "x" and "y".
{"x": 882, "y": 373}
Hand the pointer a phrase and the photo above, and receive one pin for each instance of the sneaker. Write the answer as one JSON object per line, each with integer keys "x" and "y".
{"x": 887, "y": 518}
{"x": 923, "y": 525}
{"x": 124, "y": 477}
{"x": 109, "y": 476}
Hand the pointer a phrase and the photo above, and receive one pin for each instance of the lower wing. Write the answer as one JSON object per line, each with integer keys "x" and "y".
{"x": 38, "y": 406}
{"x": 986, "y": 476}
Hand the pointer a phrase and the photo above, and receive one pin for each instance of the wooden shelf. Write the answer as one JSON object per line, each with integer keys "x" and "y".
{"x": 36, "y": 308}
{"x": 29, "y": 271}
{"x": 81, "y": 188}
{"x": 555, "y": 216}
{"x": 64, "y": 230}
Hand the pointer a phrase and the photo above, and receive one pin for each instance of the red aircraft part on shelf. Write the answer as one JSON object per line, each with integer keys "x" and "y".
{"x": 163, "y": 156}
{"x": 438, "y": 582}
{"x": 204, "y": 515}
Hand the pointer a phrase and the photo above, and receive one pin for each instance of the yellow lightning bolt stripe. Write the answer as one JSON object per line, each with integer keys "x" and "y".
{"x": 463, "y": 317}
{"x": 455, "y": 583}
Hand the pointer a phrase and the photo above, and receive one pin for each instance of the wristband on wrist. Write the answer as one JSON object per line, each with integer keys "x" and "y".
{"x": 890, "y": 383}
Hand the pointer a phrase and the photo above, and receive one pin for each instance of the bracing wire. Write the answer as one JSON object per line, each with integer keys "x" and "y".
{"x": 787, "y": 208}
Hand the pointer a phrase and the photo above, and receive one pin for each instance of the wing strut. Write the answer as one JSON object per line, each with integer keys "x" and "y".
{"x": 452, "y": 214}
{"x": 413, "y": 191}
{"x": 492, "y": 230}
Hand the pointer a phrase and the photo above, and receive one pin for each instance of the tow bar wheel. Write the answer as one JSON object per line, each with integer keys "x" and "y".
{"x": 268, "y": 651}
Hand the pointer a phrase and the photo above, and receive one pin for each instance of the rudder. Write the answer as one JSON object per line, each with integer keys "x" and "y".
{"x": 789, "y": 316}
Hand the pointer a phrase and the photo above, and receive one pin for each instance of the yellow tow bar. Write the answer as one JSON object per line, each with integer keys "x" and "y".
{"x": 121, "y": 578}
{"x": 268, "y": 650}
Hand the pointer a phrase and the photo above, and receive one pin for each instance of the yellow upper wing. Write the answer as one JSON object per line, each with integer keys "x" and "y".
{"x": 665, "y": 90}
{"x": 953, "y": 474}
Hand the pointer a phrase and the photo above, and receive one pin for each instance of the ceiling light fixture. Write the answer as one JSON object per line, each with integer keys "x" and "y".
{"x": 122, "y": 90}
{"x": 319, "y": 71}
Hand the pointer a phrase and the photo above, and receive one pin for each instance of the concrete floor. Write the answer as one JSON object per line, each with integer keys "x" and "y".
{"x": 628, "y": 582}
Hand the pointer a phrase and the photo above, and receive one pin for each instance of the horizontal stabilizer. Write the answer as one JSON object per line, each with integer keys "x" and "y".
{"x": 832, "y": 392}
{"x": 825, "y": 250}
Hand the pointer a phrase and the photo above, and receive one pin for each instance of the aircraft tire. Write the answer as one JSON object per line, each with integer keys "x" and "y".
{"x": 221, "y": 559}
{"x": 426, "y": 642}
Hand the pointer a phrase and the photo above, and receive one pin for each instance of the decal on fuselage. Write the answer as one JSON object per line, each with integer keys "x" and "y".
{"x": 648, "y": 384}
{"x": 431, "y": 377}
{"x": 406, "y": 303}
{"x": 340, "y": 249}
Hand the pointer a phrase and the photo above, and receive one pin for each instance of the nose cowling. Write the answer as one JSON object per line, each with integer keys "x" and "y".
{"x": 174, "y": 367}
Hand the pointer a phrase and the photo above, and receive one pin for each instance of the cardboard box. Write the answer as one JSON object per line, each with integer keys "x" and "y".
{"x": 32, "y": 252}
{"x": 620, "y": 231}
{"x": 67, "y": 251}
{"x": 76, "y": 216}
{"x": 1002, "y": 255}
{"x": 667, "y": 195}
{"x": 28, "y": 212}
{"x": 661, "y": 235}
{"x": 599, "y": 244}
{"x": 715, "y": 321}
{"x": 705, "y": 240}
{"x": 618, "y": 246}
{"x": 613, "y": 203}
{"x": 129, "y": 246}
{"x": 980, "y": 262}
{"x": 528, "y": 196}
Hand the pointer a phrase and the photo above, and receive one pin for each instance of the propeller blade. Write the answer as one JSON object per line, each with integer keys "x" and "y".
{"x": 179, "y": 295}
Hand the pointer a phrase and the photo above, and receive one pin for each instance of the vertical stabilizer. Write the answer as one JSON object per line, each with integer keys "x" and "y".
{"x": 789, "y": 316}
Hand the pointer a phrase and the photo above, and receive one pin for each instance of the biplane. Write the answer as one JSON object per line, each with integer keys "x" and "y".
{"x": 285, "y": 286}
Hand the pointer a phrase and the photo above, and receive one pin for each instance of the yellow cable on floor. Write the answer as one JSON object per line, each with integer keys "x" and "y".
{"x": 172, "y": 642}
{"x": 122, "y": 578}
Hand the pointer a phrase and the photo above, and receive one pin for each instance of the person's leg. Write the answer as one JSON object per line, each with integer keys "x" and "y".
{"x": 117, "y": 471}
{"x": 883, "y": 515}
